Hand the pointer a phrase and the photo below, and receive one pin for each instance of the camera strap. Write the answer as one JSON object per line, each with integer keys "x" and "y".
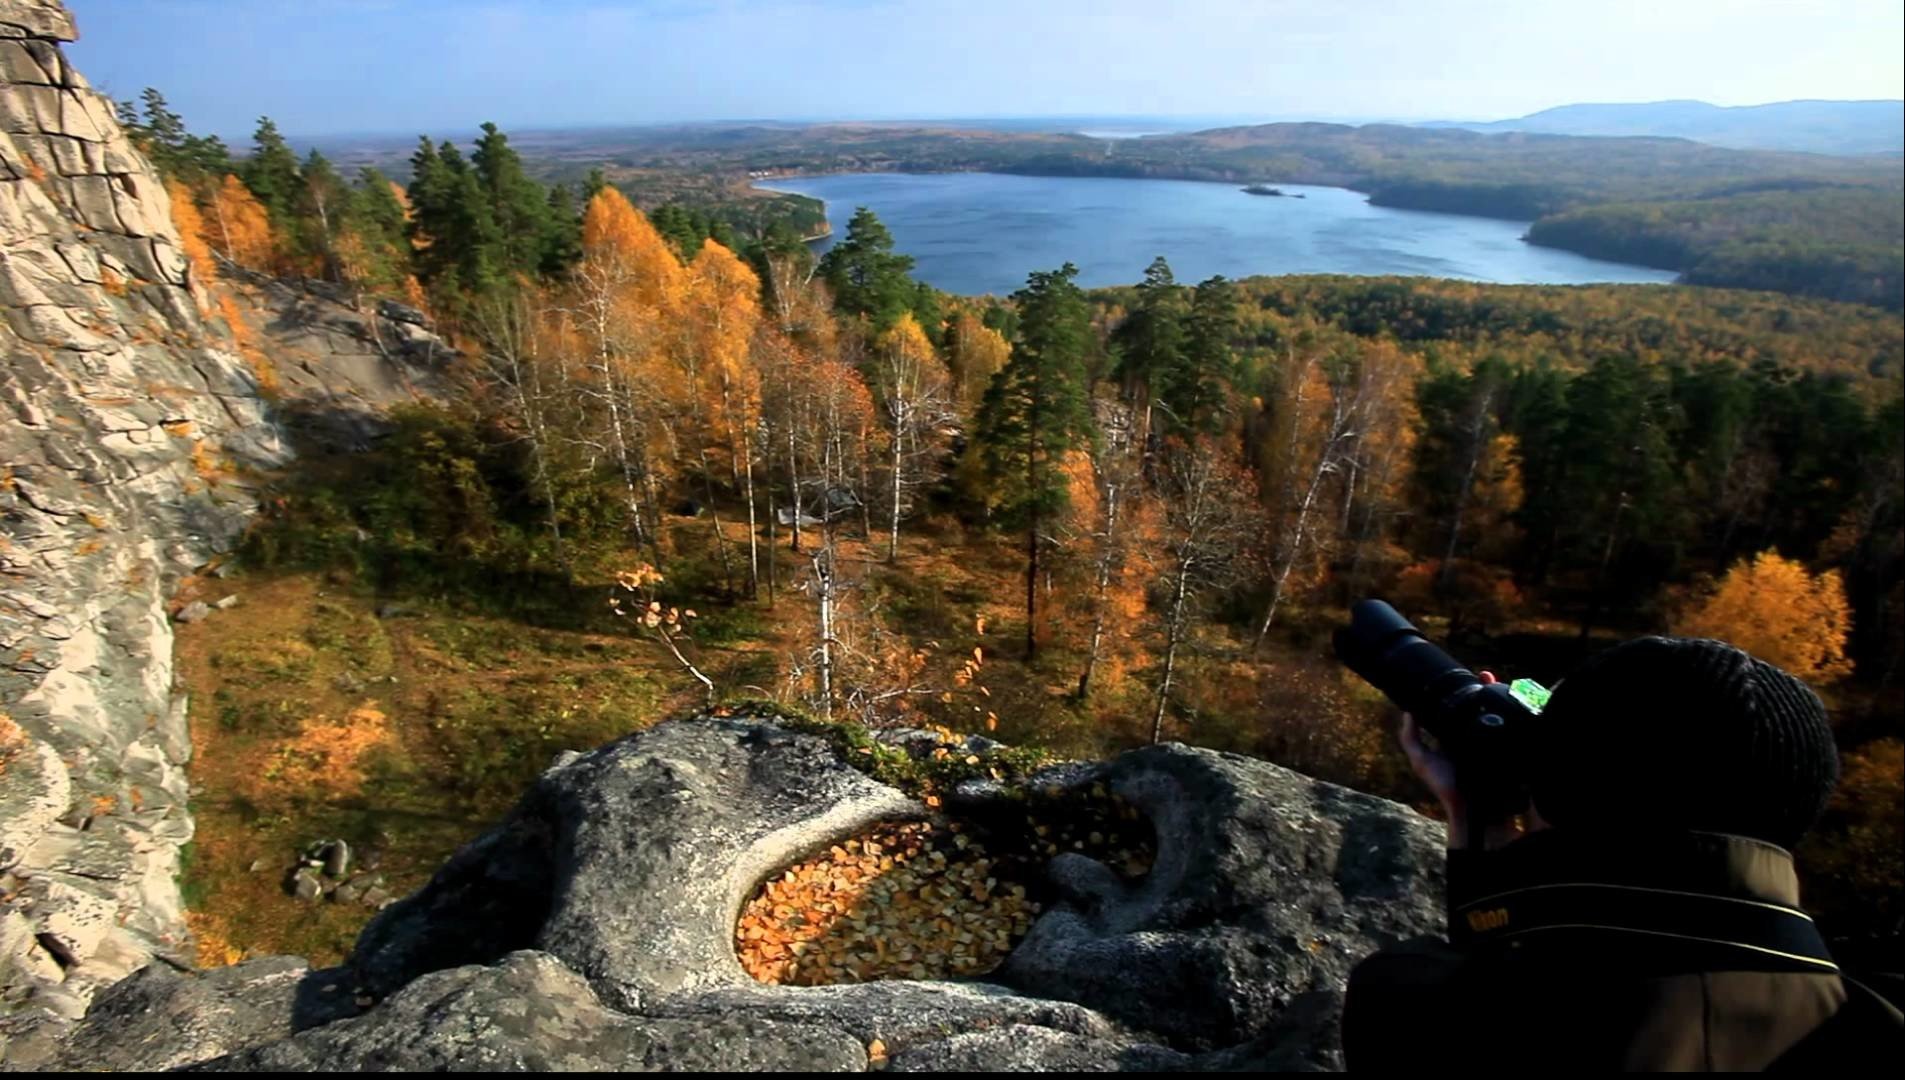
{"x": 1672, "y": 927}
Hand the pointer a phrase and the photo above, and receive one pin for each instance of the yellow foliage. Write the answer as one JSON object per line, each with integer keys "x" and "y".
{"x": 1771, "y": 607}
{"x": 210, "y": 936}
{"x": 239, "y": 227}
{"x": 977, "y": 354}
{"x": 261, "y": 366}
{"x": 620, "y": 241}
{"x": 191, "y": 228}
{"x": 330, "y": 753}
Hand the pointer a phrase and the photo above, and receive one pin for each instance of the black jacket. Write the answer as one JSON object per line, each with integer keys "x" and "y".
{"x": 1569, "y": 952}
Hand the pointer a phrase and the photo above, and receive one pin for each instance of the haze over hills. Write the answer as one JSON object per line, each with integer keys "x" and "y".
{"x": 1820, "y": 127}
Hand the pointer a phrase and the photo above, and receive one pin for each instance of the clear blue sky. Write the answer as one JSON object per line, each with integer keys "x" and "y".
{"x": 358, "y": 66}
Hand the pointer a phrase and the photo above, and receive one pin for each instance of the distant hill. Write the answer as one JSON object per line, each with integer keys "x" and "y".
{"x": 1821, "y": 127}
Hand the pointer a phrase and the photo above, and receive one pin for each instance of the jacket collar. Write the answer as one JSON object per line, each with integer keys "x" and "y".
{"x": 1715, "y": 864}
{"x": 1680, "y": 902}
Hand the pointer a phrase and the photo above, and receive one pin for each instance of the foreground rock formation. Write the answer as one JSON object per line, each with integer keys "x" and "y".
{"x": 593, "y": 928}
{"x": 130, "y": 430}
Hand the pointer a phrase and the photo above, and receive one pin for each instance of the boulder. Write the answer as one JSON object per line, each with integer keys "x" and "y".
{"x": 690, "y": 816}
{"x": 336, "y": 857}
{"x": 161, "y": 1018}
{"x": 1267, "y": 885}
{"x": 193, "y": 612}
{"x": 402, "y": 313}
{"x": 530, "y": 1013}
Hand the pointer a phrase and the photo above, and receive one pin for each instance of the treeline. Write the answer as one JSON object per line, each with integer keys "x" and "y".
{"x": 1804, "y": 224}
{"x": 463, "y": 229}
{"x": 1838, "y": 243}
{"x": 275, "y": 213}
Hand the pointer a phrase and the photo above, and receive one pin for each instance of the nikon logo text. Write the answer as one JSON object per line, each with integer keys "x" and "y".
{"x": 1492, "y": 919}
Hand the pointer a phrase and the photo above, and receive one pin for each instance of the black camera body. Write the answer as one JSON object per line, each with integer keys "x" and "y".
{"x": 1482, "y": 727}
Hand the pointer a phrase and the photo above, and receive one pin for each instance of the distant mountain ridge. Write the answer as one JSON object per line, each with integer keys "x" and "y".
{"x": 1820, "y": 127}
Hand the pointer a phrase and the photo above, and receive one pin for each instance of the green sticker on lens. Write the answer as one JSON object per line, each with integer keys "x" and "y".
{"x": 1529, "y": 693}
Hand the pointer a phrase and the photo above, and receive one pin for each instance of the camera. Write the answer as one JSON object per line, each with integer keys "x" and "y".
{"x": 1482, "y": 727}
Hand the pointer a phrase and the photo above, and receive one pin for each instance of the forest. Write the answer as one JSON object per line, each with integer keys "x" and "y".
{"x": 1085, "y": 520}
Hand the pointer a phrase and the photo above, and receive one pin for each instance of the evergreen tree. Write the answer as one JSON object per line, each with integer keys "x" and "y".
{"x": 165, "y": 128}
{"x": 377, "y": 251}
{"x": 562, "y": 236}
{"x": 452, "y": 227}
{"x": 1536, "y": 412}
{"x": 518, "y": 207}
{"x": 1150, "y": 341}
{"x": 1034, "y": 412}
{"x": 593, "y": 185}
{"x": 1620, "y": 516}
{"x": 867, "y": 278}
{"x": 1199, "y": 389}
{"x": 272, "y": 175}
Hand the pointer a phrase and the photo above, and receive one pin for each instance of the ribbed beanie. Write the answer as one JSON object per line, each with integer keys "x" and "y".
{"x": 1683, "y": 733}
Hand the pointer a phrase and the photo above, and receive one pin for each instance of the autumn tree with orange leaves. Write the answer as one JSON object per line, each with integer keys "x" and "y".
{"x": 1773, "y": 608}
{"x": 240, "y": 229}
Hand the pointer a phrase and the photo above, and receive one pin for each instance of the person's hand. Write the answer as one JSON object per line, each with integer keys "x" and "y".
{"x": 1437, "y": 772}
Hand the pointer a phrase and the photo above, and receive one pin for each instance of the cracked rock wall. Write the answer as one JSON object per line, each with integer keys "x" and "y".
{"x": 127, "y": 422}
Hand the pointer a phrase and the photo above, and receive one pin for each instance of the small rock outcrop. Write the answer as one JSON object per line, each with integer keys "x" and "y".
{"x": 594, "y": 928}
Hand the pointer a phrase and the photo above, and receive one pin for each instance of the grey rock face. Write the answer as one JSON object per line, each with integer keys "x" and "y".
{"x": 161, "y": 1018}
{"x": 631, "y": 863}
{"x": 114, "y": 395}
{"x": 529, "y": 1013}
{"x": 130, "y": 429}
{"x": 1267, "y": 885}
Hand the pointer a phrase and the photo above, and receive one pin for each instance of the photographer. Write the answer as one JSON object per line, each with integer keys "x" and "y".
{"x": 1639, "y": 909}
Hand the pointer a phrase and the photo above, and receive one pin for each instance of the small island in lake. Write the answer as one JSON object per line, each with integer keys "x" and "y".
{"x": 1264, "y": 189}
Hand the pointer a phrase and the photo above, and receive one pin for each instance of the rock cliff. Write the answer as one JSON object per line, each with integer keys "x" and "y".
{"x": 131, "y": 433}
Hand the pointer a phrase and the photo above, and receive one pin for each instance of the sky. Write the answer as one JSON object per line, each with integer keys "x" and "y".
{"x": 323, "y": 67}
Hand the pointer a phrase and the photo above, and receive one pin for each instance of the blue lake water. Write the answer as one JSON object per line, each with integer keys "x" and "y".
{"x": 974, "y": 233}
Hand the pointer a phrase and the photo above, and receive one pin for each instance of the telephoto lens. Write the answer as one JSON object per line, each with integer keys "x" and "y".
{"x": 1477, "y": 724}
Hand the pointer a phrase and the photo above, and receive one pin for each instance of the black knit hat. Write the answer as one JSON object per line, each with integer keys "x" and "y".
{"x": 1683, "y": 733}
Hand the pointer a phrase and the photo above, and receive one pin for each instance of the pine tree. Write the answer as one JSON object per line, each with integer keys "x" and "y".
{"x": 517, "y": 205}
{"x": 1150, "y": 341}
{"x": 272, "y": 175}
{"x": 1035, "y": 411}
{"x": 562, "y": 238}
{"x": 1199, "y": 389}
{"x": 867, "y": 278}
{"x": 458, "y": 256}
{"x": 163, "y": 129}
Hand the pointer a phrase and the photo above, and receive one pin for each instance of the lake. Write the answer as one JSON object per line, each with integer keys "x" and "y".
{"x": 974, "y": 233}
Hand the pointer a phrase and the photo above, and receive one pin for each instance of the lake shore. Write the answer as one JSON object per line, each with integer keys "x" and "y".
{"x": 1355, "y": 236}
